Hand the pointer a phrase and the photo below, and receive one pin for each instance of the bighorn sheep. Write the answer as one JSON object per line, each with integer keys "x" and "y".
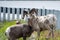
{"x": 19, "y": 30}
{"x": 41, "y": 23}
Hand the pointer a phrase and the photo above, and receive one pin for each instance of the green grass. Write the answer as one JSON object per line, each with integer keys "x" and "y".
{"x": 5, "y": 24}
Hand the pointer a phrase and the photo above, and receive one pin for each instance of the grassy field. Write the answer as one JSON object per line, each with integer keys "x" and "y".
{"x": 5, "y": 24}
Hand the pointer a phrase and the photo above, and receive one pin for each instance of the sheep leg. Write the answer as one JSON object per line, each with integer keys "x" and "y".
{"x": 38, "y": 35}
{"x": 24, "y": 38}
{"x": 48, "y": 27}
{"x": 12, "y": 38}
{"x": 52, "y": 32}
{"x": 8, "y": 38}
{"x": 49, "y": 34}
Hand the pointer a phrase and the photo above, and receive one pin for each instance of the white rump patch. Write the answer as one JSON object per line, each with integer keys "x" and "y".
{"x": 8, "y": 31}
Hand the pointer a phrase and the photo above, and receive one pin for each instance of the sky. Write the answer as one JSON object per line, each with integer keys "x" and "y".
{"x": 29, "y": 0}
{"x": 32, "y": 4}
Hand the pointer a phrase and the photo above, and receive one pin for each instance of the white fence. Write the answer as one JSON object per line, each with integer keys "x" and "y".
{"x": 16, "y": 13}
{"x": 10, "y": 13}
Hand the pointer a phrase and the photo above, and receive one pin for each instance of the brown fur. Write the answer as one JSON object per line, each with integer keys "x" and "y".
{"x": 18, "y": 31}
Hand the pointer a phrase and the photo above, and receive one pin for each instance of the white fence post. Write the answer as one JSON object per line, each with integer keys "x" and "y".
{"x": 4, "y": 16}
{"x": 8, "y": 14}
{"x": 17, "y": 13}
{"x": 39, "y": 12}
{"x": 53, "y": 11}
{"x": 13, "y": 13}
{"x": 22, "y": 9}
{"x": 0, "y": 13}
{"x": 49, "y": 11}
{"x": 43, "y": 12}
